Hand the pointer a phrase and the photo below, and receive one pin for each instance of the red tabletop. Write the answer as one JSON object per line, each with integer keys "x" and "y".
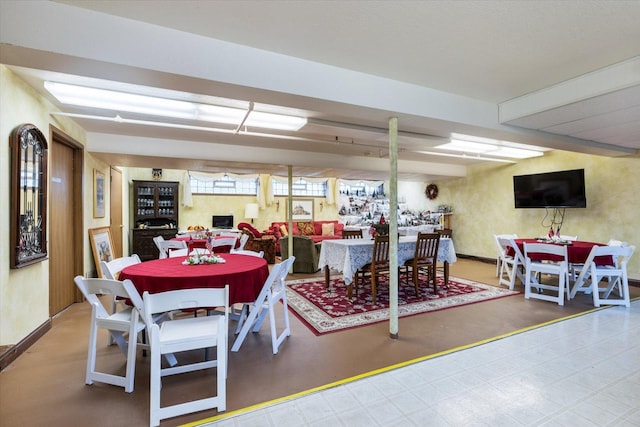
{"x": 202, "y": 243}
{"x": 244, "y": 274}
{"x": 577, "y": 252}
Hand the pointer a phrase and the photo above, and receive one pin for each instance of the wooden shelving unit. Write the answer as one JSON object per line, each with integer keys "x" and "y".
{"x": 155, "y": 213}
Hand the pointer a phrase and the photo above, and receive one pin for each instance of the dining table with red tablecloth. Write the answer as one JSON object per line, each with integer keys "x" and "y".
{"x": 244, "y": 274}
{"x": 577, "y": 251}
{"x": 202, "y": 243}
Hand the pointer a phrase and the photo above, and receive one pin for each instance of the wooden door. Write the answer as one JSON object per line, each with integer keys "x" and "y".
{"x": 115, "y": 212}
{"x": 62, "y": 228}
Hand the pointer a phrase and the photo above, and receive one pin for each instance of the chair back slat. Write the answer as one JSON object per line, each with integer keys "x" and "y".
{"x": 380, "y": 250}
{"x": 427, "y": 246}
{"x": 352, "y": 234}
{"x": 445, "y": 232}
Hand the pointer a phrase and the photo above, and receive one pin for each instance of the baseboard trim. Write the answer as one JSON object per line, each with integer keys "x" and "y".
{"x": 12, "y": 353}
{"x": 477, "y": 258}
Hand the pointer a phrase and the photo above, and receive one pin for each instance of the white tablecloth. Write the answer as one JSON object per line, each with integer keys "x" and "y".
{"x": 413, "y": 230}
{"x": 348, "y": 255}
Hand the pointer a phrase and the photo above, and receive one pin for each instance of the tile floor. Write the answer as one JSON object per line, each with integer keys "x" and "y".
{"x": 582, "y": 371}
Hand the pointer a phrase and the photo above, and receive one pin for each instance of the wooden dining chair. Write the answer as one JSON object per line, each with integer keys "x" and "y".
{"x": 445, "y": 232}
{"x": 424, "y": 260}
{"x": 352, "y": 234}
{"x": 379, "y": 264}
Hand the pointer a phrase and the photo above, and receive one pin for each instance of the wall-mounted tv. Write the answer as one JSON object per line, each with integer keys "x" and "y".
{"x": 562, "y": 189}
{"x": 222, "y": 221}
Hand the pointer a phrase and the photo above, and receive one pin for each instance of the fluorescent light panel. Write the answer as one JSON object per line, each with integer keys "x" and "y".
{"x": 143, "y": 104}
{"x": 489, "y": 149}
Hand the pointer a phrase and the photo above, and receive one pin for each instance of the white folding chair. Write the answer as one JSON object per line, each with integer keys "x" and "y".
{"x": 178, "y": 252}
{"x": 591, "y": 275}
{"x": 501, "y": 250}
{"x": 557, "y": 268}
{"x": 511, "y": 264}
{"x": 126, "y": 321}
{"x": 187, "y": 334}
{"x": 238, "y": 311}
{"x": 243, "y": 241}
{"x": 577, "y": 268}
{"x": 248, "y": 252}
{"x": 235, "y": 234}
{"x": 166, "y": 246}
{"x": 111, "y": 270}
{"x": 158, "y": 241}
{"x": 274, "y": 290}
{"x": 224, "y": 241}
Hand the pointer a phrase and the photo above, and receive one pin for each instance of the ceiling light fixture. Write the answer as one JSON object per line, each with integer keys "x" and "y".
{"x": 149, "y": 105}
{"x": 489, "y": 149}
{"x": 465, "y": 156}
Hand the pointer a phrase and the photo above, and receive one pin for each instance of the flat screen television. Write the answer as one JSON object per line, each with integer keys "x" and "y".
{"x": 222, "y": 221}
{"x": 562, "y": 189}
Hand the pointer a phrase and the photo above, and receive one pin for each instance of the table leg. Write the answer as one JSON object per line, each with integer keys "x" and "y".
{"x": 326, "y": 276}
{"x": 446, "y": 274}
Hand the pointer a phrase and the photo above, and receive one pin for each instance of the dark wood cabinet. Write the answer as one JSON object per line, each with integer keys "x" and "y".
{"x": 143, "y": 245}
{"x": 155, "y": 213}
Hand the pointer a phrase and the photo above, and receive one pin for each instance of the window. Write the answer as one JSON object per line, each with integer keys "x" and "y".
{"x": 300, "y": 187}
{"x": 361, "y": 188}
{"x": 224, "y": 185}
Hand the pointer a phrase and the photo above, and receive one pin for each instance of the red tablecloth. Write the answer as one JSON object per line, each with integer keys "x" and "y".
{"x": 245, "y": 275}
{"x": 577, "y": 252}
{"x": 201, "y": 243}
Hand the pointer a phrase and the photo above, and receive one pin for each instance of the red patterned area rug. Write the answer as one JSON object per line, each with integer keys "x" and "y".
{"x": 329, "y": 310}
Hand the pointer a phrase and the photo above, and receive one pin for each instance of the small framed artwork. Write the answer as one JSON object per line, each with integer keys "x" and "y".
{"x": 98, "y": 194}
{"x": 302, "y": 209}
{"x": 102, "y": 246}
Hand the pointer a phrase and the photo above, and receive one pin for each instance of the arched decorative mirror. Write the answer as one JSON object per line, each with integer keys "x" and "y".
{"x": 28, "y": 196}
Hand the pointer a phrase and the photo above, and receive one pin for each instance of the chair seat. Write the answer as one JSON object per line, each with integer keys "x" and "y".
{"x": 189, "y": 333}
{"x": 410, "y": 262}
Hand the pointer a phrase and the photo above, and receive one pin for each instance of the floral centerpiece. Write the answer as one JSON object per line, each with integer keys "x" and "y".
{"x": 203, "y": 259}
{"x": 196, "y": 258}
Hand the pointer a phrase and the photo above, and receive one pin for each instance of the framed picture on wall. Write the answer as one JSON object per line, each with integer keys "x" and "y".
{"x": 98, "y": 194}
{"x": 302, "y": 209}
{"x": 102, "y": 246}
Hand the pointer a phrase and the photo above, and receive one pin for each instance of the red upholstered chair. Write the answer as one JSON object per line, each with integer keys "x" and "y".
{"x": 249, "y": 229}
{"x": 259, "y": 241}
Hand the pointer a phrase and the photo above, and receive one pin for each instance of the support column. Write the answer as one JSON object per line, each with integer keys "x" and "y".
{"x": 393, "y": 227}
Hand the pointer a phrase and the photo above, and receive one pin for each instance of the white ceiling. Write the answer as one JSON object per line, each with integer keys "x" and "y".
{"x": 556, "y": 74}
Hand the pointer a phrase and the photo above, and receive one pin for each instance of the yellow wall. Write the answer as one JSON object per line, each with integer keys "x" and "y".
{"x": 483, "y": 203}
{"x": 24, "y": 292}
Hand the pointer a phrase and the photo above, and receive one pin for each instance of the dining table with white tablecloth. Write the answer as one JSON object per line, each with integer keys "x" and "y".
{"x": 349, "y": 255}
